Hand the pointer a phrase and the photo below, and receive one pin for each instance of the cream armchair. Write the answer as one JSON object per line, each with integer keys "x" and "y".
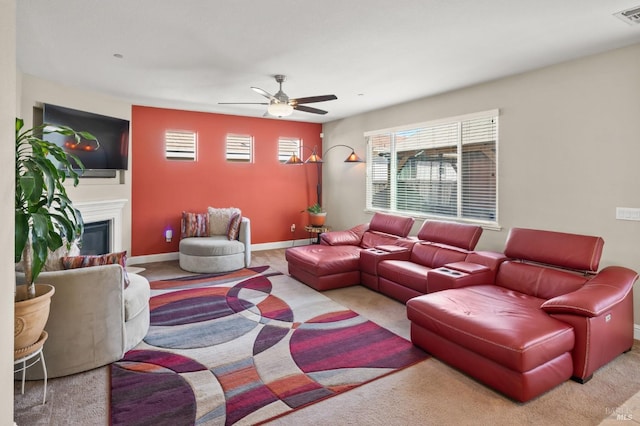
{"x": 93, "y": 319}
{"x": 217, "y": 253}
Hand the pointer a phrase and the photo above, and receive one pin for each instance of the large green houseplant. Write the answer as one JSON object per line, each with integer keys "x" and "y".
{"x": 45, "y": 218}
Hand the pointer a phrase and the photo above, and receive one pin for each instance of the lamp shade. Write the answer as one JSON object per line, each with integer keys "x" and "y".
{"x": 279, "y": 109}
{"x": 313, "y": 158}
{"x": 353, "y": 158}
{"x": 294, "y": 159}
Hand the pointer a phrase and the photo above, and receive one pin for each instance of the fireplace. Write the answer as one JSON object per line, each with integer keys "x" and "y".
{"x": 95, "y": 214}
{"x": 96, "y": 238}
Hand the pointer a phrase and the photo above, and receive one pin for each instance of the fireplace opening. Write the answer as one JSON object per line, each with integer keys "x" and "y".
{"x": 95, "y": 239}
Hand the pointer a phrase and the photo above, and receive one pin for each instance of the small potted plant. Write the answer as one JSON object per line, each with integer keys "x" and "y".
{"x": 317, "y": 216}
{"x": 45, "y": 219}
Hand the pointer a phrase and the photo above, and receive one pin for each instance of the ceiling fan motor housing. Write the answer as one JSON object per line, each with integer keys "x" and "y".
{"x": 285, "y": 105}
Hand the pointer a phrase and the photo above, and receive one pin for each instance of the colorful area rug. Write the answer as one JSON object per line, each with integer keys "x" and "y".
{"x": 245, "y": 347}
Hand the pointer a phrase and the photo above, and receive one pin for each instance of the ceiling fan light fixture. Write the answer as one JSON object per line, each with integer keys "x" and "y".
{"x": 279, "y": 110}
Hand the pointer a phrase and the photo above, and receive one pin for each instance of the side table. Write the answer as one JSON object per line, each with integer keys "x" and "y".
{"x": 317, "y": 230}
{"x": 33, "y": 357}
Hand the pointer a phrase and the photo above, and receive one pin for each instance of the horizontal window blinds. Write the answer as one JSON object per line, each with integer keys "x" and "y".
{"x": 287, "y": 147}
{"x": 444, "y": 169}
{"x": 180, "y": 144}
{"x": 239, "y": 148}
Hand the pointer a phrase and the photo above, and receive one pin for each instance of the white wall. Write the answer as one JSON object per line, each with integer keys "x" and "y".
{"x": 8, "y": 108}
{"x": 569, "y": 151}
{"x": 35, "y": 92}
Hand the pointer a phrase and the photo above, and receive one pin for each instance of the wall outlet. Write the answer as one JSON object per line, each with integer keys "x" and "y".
{"x": 293, "y": 227}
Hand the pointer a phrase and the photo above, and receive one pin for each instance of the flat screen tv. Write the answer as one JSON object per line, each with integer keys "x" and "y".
{"x": 112, "y": 134}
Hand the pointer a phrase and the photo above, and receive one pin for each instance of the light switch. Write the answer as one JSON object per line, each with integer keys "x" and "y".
{"x": 627, "y": 213}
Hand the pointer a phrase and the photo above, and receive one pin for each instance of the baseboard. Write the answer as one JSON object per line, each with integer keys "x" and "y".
{"x": 282, "y": 244}
{"x": 163, "y": 257}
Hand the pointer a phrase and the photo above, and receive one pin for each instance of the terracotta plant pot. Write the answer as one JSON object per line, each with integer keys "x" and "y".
{"x": 317, "y": 219}
{"x": 31, "y": 316}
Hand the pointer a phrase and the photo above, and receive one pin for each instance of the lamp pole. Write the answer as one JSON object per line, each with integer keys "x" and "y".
{"x": 315, "y": 158}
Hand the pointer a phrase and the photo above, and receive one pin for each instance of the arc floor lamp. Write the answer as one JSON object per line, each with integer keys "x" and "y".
{"x": 315, "y": 158}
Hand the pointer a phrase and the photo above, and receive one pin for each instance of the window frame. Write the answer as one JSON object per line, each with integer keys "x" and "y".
{"x": 385, "y": 176}
{"x": 239, "y": 156}
{"x": 178, "y": 146}
{"x": 284, "y": 155}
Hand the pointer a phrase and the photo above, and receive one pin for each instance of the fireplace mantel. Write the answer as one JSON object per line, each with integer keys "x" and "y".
{"x": 95, "y": 211}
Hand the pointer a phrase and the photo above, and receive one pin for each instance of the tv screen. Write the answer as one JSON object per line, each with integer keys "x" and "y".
{"x": 112, "y": 134}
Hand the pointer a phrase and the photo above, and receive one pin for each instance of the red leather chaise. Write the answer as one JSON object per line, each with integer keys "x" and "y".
{"x": 547, "y": 317}
{"x": 335, "y": 262}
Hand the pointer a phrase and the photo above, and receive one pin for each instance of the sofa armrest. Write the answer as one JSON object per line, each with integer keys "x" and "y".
{"x": 458, "y": 274}
{"x": 490, "y": 259}
{"x": 244, "y": 236}
{"x": 609, "y": 287}
{"x": 350, "y": 237}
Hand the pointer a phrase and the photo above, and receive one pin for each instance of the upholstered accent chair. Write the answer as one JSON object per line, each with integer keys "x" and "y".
{"x": 93, "y": 319}
{"x": 218, "y": 252}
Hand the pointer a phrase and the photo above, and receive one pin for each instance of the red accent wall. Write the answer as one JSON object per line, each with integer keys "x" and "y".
{"x": 268, "y": 192}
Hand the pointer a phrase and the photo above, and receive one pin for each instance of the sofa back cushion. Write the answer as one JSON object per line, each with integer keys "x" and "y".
{"x": 372, "y": 239}
{"x": 434, "y": 255}
{"x": 350, "y": 237}
{"x": 538, "y": 281}
{"x": 571, "y": 251}
{"x": 461, "y": 235}
{"x": 391, "y": 224}
{"x": 219, "y": 219}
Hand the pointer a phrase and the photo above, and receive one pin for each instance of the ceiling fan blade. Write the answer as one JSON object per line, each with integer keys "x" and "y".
{"x": 309, "y": 109}
{"x": 243, "y": 103}
{"x": 263, "y": 93}
{"x": 312, "y": 99}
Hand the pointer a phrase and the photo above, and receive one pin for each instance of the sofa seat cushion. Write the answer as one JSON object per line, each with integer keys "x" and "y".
{"x": 499, "y": 324}
{"x": 405, "y": 273}
{"x": 217, "y": 245}
{"x": 320, "y": 260}
{"x": 136, "y": 296}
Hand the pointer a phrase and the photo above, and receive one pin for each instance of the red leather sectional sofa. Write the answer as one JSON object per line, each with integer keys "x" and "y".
{"x": 521, "y": 322}
{"x": 548, "y": 316}
{"x": 335, "y": 262}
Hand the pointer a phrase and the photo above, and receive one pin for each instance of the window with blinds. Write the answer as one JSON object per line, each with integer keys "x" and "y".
{"x": 239, "y": 148}
{"x": 180, "y": 145}
{"x": 287, "y": 147}
{"x": 444, "y": 169}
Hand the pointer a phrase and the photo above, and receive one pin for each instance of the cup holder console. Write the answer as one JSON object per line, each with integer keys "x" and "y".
{"x": 377, "y": 251}
{"x": 450, "y": 272}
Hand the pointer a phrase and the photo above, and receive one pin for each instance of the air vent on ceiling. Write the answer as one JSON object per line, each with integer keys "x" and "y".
{"x": 630, "y": 16}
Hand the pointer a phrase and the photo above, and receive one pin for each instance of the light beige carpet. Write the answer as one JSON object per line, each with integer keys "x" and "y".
{"x": 425, "y": 394}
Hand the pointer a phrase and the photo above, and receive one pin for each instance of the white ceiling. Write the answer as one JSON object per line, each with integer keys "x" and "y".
{"x": 193, "y": 54}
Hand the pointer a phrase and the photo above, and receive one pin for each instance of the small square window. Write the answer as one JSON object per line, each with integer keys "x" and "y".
{"x": 180, "y": 145}
{"x": 239, "y": 148}
{"x": 287, "y": 147}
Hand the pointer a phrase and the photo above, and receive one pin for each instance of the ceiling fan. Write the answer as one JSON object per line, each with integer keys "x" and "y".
{"x": 280, "y": 105}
